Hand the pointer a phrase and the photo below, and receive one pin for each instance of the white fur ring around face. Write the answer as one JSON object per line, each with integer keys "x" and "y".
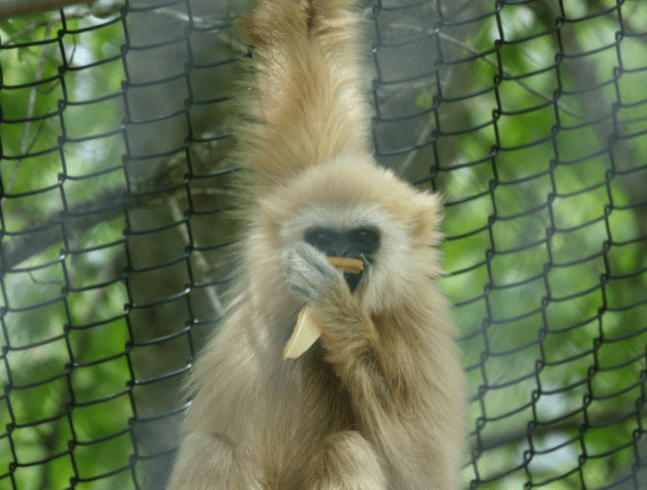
{"x": 307, "y": 330}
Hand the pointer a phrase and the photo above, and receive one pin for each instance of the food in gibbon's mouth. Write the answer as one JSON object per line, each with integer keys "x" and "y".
{"x": 378, "y": 401}
{"x": 350, "y": 266}
{"x": 307, "y": 330}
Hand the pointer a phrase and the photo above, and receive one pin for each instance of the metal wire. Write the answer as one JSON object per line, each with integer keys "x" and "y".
{"x": 114, "y": 245}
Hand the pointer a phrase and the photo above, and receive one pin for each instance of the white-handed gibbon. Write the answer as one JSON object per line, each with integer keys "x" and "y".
{"x": 378, "y": 402}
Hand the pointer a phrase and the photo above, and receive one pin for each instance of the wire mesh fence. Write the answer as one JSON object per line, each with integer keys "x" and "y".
{"x": 531, "y": 119}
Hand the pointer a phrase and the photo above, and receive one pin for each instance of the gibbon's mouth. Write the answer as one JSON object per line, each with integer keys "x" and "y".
{"x": 353, "y": 268}
{"x": 353, "y": 280}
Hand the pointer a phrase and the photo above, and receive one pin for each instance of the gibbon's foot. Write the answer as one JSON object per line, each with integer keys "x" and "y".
{"x": 347, "y": 461}
{"x": 216, "y": 467}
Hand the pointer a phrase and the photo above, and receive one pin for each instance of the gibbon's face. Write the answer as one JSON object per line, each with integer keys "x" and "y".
{"x": 354, "y": 230}
{"x": 357, "y": 243}
{"x": 350, "y": 208}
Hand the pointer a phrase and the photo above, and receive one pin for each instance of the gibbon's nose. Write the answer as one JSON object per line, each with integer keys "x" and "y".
{"x": 339, "y": 248}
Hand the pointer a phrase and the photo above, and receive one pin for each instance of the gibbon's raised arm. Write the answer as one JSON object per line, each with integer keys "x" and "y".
{"x": 378, "y": 402}
{"x": 308, "y": 104}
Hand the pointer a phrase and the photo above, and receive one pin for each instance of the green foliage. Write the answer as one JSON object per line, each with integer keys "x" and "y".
{"x": 68, "y": 382}
{"x": 545, "y": 208}
{"x": 560, "y": 215}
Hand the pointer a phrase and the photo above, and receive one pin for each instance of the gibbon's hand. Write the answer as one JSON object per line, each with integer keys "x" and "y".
{"x": 311, "y": 276}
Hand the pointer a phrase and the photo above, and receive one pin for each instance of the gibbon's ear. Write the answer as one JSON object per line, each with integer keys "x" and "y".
{"x": 426, "y": 220}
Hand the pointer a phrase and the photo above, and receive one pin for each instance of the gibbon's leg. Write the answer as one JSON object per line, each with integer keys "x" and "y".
{"x": 207, "y": 462}
{"x": 347, "y": 462}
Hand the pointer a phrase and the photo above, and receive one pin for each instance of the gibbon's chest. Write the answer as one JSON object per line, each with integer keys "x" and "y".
{"x": 331, "y": 389}
{"x": 295, "y": 421}
{"x": 307, "y": 397}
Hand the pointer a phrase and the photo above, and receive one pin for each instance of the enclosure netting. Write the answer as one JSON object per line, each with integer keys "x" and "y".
{"x": 529, "y": 116}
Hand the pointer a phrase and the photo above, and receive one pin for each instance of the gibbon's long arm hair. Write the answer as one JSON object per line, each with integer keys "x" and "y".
{"x": 378, "y": 402}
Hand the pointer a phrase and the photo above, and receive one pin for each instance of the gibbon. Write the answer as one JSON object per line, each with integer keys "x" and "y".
{"x": 378, "y": 402}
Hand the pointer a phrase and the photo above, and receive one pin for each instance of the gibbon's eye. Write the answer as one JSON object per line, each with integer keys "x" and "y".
{"x": 365, "y": 239}
{"x": 348, "y": 243}
{"x": 320, "y": 238}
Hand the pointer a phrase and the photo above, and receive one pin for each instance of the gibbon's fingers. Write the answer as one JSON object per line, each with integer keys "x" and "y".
{"x": 310, "y": 274}
{"x": 366, "y": 265}
{"x": 307, "y": 330}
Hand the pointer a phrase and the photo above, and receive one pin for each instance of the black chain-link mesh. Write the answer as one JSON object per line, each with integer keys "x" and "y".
{"x": 530, "y": 117}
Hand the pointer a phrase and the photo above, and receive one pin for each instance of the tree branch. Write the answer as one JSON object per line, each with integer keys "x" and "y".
{"x": 50, "y": 230}
{"x": 15, "y": 8}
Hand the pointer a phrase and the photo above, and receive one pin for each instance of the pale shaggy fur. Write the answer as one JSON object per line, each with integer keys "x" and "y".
{"x": 379, "y": 402}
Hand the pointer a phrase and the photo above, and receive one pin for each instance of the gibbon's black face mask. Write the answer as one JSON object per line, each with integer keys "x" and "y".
{"x": 357, "y": 243}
